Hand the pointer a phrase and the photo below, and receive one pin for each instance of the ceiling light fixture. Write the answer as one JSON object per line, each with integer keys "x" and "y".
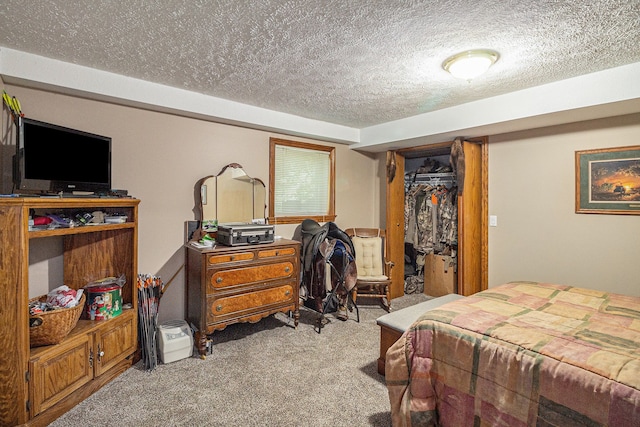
{"x": 470, "y": 64}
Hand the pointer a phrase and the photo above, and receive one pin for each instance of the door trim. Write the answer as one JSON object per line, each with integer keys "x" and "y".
{"x": 474, "y": 277}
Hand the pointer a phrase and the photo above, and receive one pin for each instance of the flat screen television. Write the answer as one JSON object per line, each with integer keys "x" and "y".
{"x": 56, "y": 159}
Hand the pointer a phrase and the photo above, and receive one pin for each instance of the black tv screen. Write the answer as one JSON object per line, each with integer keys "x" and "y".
{"x": 53, "y": 159}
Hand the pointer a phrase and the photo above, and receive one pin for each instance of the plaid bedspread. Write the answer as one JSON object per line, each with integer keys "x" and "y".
{"x": 520, "y": 354}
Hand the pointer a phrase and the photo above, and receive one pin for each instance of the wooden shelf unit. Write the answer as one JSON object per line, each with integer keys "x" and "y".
{"x": 39, "y": 384}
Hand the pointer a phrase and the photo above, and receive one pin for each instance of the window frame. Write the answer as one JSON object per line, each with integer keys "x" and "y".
{"x": 330, "y": 216}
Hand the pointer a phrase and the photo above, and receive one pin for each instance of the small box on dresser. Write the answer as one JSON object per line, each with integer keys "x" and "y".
{"x": 245, "y": 234}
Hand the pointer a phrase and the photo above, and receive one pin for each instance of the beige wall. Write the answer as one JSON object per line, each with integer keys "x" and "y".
{"x": 159, "y": 157}
{"x": 539, "y": 236}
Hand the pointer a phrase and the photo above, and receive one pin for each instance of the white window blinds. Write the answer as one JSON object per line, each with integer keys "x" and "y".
{"x": 302, "y": 181}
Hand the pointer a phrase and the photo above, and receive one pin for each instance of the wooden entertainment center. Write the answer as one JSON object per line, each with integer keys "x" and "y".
{"x": 39, "y": 384}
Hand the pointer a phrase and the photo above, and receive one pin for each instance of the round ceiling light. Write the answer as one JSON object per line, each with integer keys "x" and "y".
{"x": 470, "y": 64}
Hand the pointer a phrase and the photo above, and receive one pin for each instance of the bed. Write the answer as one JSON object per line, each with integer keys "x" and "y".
{"x": 520, "y": 354}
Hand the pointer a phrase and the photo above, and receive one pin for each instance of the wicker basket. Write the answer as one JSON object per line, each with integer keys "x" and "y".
{"x": 56, "y": 324}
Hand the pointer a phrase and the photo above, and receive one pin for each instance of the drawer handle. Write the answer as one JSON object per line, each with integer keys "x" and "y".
{"x": 287, "y": 269}
{"x": 219, "y": 308}
{"x": 287, "y": 293}
{"x": 232, "y": 257}
{"x": 277, "y": 253}
{"x": 219, "y": 280}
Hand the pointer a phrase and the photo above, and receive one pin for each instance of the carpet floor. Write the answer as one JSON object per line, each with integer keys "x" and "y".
{"x": 263, "y": 374}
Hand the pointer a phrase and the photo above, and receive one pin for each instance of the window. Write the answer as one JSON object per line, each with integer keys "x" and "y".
{"x": 301, "y": 182}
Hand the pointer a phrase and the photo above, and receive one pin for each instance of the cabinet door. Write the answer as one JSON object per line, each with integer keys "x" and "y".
{"x": 472, "y": 227}
{"x": 395, "y": 225}
{"x": 115, "y": 342}
{"x": 60, "y": 372}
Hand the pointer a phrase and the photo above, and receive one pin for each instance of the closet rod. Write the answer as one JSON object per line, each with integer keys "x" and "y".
{"x": 431, "y": 178}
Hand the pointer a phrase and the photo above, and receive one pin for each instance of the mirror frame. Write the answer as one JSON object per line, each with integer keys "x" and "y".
{"x": 210, "y": 194}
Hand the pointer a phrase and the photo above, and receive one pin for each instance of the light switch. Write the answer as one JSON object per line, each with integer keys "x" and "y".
{"x": 493, "y": 221}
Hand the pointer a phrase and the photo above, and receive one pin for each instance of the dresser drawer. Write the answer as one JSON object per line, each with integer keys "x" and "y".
{"x": 250, "y": 255}
{"x": 221, "y": 279}
{"x": 231, "y": 257}
{"x": 241, "y": 304}
{"x": 269, "y": 253}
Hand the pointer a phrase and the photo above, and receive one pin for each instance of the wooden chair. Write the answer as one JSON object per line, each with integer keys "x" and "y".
{"x": 374, "y": 270}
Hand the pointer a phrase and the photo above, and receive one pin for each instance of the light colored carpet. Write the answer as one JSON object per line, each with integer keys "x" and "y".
{"x": 262, "y": 374}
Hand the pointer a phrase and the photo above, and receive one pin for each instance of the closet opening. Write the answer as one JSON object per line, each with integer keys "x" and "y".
{"x": 431, "y": 223}
{"x": 466, "y": 218}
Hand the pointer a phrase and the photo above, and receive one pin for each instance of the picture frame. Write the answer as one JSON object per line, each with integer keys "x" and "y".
{"x": 608, "y": 181}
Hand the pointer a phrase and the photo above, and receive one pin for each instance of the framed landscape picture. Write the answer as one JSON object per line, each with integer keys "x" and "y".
{"x": 608, "y": 181}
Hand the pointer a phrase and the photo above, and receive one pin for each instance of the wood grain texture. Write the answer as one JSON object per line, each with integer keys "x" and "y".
{"x": 248, "y": 301}
{"x": 91, "y": 257}
{"x": 38, "y": 385}
{"x": 228, "y": 284}
{"x": 251, "y": 274}
{"x": 114, "y": 344}
{"x": 231, "y": 257}
{"x": 59, "y": 372}
{"x": 82, "y": 393}
{"x": 388, "y": 337}
{"x": 13, "y": 364}
{"x": 470, "y": 234}
{"x": 395, "y": 227}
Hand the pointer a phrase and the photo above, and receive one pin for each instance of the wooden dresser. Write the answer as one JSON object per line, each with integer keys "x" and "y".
{"x": 231, "y": 284}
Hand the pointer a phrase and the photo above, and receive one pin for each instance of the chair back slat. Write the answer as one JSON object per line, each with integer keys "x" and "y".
{"x": 374, "y": 270}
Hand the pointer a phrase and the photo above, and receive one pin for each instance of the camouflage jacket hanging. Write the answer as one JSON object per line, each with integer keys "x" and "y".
{"x": 431, "y": 218}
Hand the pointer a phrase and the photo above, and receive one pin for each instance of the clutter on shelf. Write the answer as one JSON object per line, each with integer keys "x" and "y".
{"x": 61, "y": 297}
{"x": 50, "y": 221}
{"x": 53, "y": 316}
{"x": 104, "y": 300}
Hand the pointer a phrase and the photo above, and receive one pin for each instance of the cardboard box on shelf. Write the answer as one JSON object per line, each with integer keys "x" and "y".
{"x": 440, "y": 275}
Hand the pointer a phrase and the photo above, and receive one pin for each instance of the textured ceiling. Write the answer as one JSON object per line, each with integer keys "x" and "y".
{"x": 357, "y": 63}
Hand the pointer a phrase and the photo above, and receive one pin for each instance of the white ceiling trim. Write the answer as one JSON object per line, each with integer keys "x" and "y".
{"x": 601, "y": 94}
{"x": 44, "y": 73}
{"x": 606, "y": 93}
